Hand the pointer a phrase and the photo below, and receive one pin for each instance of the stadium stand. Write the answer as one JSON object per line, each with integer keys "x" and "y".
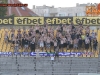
{"x": 8, "y": 46}
{"x": 28, "y": 65}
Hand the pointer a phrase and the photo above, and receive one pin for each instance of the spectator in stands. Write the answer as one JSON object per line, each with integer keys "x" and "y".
{"x": 23, "y": 41}
{"x": 41, "y": 43}
{"x": 75, "y": 44}
{"x": 93, "y": 34}
{"x": 47, "y": 38}
{"x": 87, "y": 31}
{"x": 71, "y": 45}
{"x": 32, "y": 45}
{"x": 87, "y": 42}
{"x": 6, "y": 38}
{"x": 26, "y": 43}
{"x": 83, "y": 39}
{"x": 16, "y": 45}
{"x": 57, "y": 53}
{"x": 80, "y": 43}
{"x": 55, "y": 44}
{"x": 95, "y": 43}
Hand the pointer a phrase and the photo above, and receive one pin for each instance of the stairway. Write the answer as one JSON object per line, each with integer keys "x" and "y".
{"x": 44, "y": 66}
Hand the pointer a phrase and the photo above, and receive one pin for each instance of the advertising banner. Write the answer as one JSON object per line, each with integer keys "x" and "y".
{"x": 28, "y": 20}
{"x": 6, "y": 20}
{"x": 45, "y": 53}
{"x": 58, "y": 20}
{"x": 49, "y": 20}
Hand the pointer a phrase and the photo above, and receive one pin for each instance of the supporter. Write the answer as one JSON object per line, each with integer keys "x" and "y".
{"x": 16, "y": 45}
{"x": 24, "y": 33}
{"x": 73, "y": 35}
{"x": 66, "y": 37}
{"x": 95, "y": 43}
{"x": 68, "y": 40}
{"x": 90, "y": 38}
{"x": 19, "y": 36}
{"x": 80, "y": 43}
{"x": 41, "y": 42}
{"x": 13, "y": 40}
{"x": 61, "y": 44}
{"x": 26, "y": 44}
{"x": 93, "y": 34}
{"x": 6, "y": 38}
{"x": 51, "y": 42}
{"x": 87, "y": 31}
{"x": 71, "y": 45}
{"x": 32, "y": 45}
{"x": 64, "y": 42}
{"x": 75, "y": 44}
{"x": 23, "y": 41}
{"x": 87, "y": 42}
{"x": 55, "y": 44}
{"x": 45, "y": 38}
{"x": 83, "y": 39}
{"x": 12, "y": 35}
{"x": 48, "y": 40}
{"x": 57, "y": 53}
{"x": 37, "y": 29}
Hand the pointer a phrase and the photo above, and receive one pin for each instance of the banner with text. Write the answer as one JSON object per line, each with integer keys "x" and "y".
{"x": 49, "y": 20}
{"x": 44, "y": 53}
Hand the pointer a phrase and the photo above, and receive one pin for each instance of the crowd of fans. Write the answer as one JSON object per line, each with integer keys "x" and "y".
{"x": 45, "y": 38}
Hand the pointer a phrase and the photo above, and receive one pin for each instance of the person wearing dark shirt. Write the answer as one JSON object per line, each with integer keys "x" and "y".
{"x": 95, "y": 43}
{"x": 73, "y": 35}
{"x": 61, "y": 28}
{"x": 26, "y": 44}
{"x": 78, "y": 35}
{"x": 80, "y": 43}
{"x": 57, "y": 53}
{"x": 32, "y": 46}
{"x": 90, "y": 38}
{"x": 29, "y": 33}
{"x": 23, "y": 40}
{"x": 73, "y": 27}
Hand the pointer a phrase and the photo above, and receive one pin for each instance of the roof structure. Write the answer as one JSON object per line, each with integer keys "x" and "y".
{"x": 19, "y": 11}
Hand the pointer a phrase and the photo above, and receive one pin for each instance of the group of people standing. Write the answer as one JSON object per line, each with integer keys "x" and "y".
{"x": 49, "y": 37}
